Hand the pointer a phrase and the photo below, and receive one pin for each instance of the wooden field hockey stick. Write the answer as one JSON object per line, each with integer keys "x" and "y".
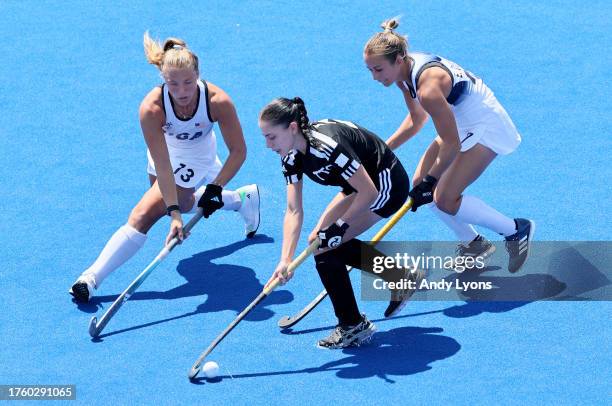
{"x": 290, "y": 321}
{"x": 195, "y": 369}
{"x": 95, "y": 327}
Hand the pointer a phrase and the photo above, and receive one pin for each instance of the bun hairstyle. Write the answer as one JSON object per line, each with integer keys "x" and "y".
{"x": 284, "y": 111}
{"x": 173, "y": 53}
{"x": 390, "y": 24}
{"x": 388, "y": 43}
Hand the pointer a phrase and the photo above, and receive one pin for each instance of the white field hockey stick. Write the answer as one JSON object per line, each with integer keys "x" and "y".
{"x": 95, "y": 327}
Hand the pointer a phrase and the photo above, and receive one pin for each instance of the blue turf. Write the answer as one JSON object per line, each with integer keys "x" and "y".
{"x": 74, "y": 164}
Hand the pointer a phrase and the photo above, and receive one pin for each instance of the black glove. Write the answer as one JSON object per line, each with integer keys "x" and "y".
{"x": 423, "y": 192}
{"x": 211, "y": 200}
{"x": 332, "y": 236}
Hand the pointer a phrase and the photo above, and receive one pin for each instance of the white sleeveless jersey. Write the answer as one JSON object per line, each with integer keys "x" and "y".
{"x": 465, "y": 85}
{"x": 195, "y": 133}
{"x": 192, "y": 145}
{"x": 479, "y": 116}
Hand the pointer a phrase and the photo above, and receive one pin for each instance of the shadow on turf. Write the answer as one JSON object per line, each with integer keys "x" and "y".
{"x": 410, "y": 350}
{"x": 507, "y": 289}
{"x": 477, "y": 304}
{"x": 225, "y": 286}
{"x": 530, "y": 288}
{"x": 398, "y": 352}
{"x": 569, "y": 276}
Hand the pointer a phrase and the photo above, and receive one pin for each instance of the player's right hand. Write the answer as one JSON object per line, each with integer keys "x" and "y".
{"x": 281, "y": 273}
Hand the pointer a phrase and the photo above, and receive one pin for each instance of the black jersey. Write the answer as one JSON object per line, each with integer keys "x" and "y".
{"x": 334, "y": 151}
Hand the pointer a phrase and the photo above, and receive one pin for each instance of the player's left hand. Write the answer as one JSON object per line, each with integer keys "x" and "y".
{"x": 176, "y": 228}
{"x": 211, "y": 200}
{"x": 332, "y": 236}
{"x": 313, "y": 236}
{"x": 423, "y": 192}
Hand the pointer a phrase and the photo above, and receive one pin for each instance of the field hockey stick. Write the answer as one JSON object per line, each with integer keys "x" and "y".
{"x": 193, "y": 372}
{"x": 290, "y": 321}
{"x": 95, "y": 327}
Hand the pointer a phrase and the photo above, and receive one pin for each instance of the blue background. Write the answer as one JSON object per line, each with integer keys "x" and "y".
{"x": 74, "y": 164}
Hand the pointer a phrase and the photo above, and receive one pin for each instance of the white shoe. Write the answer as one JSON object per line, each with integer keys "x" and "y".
{"x": 83, "y": 288}
{"x": 249, "y": 209}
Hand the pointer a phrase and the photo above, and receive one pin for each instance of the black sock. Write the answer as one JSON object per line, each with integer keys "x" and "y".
{"x": 336, "y": 281}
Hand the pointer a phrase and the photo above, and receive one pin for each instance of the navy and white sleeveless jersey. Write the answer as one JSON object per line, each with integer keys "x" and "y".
{"x": 191, "y": 143}
{"x": 335, "y": 150}
{"x": 464, "y": 83}
{"x": 479, "y": 116}
{"x": 194, "y": 132}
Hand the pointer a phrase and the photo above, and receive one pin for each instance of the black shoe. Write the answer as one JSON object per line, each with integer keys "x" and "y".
{"x": 400, "y": 297}
{"x": 518, "y": 244}
{"x": 478, "y": 247}
{"x": 349, "y": 336}
{"x": 82, "y": 289}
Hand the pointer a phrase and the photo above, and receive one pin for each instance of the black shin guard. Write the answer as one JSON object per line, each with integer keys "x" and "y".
{"x": 336, "y": 281}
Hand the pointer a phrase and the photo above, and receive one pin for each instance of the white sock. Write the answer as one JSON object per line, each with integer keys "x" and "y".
{"x": 231, "y": 199}
{"x": 122, "y": 246}
{"x": 475, "y": 211}
{"x": 464, "y": 231}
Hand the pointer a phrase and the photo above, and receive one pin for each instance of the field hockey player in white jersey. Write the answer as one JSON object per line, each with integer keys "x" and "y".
{"x": 473, "y": 128}
{"x": 184, "y": 170}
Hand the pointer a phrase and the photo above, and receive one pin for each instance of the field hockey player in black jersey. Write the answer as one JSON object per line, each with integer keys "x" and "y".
{"x": 373, "y": 186}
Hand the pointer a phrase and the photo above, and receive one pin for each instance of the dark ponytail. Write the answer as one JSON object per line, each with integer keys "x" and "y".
{"x": 303, "y": 114}
{"x": 284, "y": 111}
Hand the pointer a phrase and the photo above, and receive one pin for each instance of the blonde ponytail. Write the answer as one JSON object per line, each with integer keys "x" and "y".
{"x": 174, "y": 53}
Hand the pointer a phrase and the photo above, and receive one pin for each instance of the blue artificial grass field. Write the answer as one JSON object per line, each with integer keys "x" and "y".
{"x": 74, "y": 164}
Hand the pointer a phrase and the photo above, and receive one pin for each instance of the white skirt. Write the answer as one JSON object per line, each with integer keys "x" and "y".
{"x": 486, "y": 122}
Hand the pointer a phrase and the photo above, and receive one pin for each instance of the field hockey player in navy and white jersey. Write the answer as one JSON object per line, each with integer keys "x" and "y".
{"x": 373, "y": 186}
{"x": 184, "y": 170}
{"x": 473, "y": 129}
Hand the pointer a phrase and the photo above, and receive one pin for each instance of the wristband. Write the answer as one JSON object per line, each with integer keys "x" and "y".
{"x": 172, "y": 208}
